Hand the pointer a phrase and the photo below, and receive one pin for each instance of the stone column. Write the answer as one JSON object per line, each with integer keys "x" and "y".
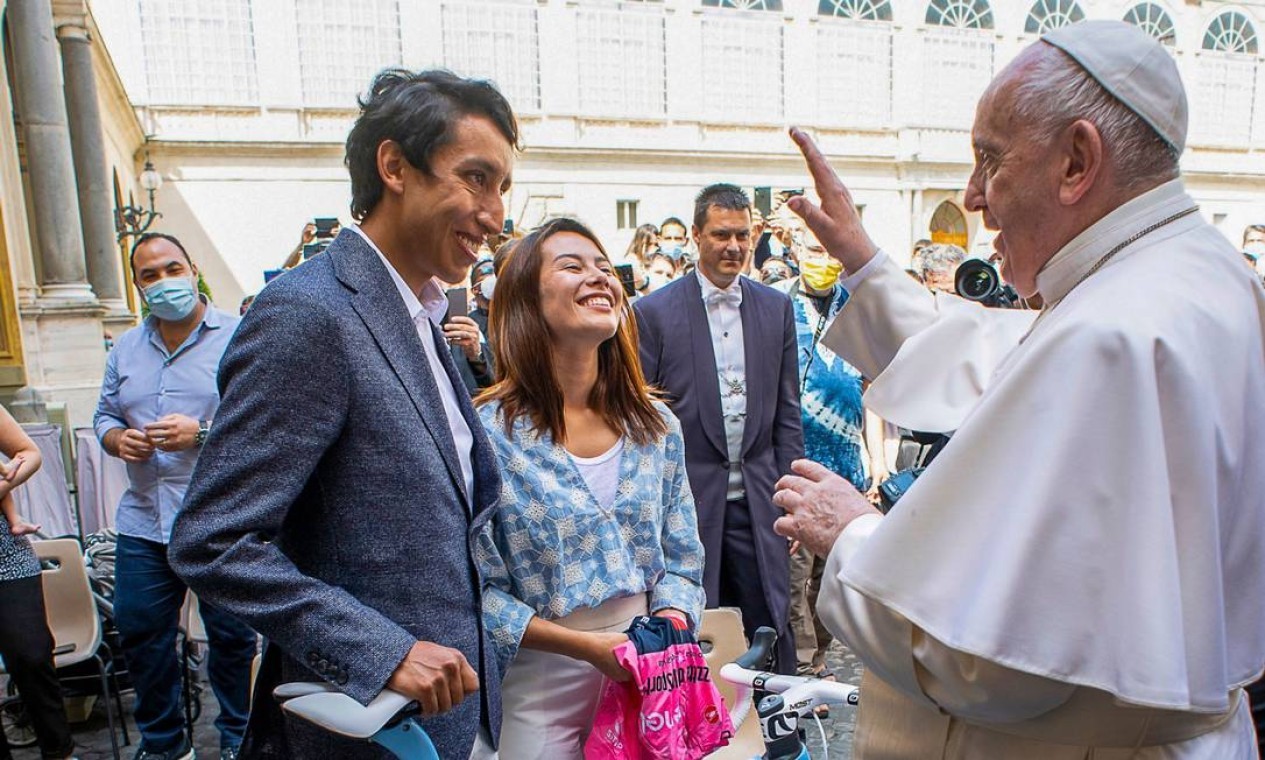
{"x": 58, "y": 234}
{"x": 87, "y": 144}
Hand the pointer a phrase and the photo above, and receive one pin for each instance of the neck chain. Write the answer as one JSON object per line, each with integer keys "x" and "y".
{"x": 1108, "y": 256}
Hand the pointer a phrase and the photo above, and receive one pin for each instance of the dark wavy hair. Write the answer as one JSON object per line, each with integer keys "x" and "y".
{"x": 528, "y": 385}
{"x": 417, "y": 111}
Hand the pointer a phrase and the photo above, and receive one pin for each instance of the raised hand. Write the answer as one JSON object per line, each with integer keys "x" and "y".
{"x": 835, "y": 222}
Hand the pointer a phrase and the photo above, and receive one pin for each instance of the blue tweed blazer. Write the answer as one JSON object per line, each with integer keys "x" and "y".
{"x": 328, "y": 509}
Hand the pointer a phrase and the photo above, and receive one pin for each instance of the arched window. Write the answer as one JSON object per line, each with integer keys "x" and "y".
{"x": 948, "y": 225}
{"x": 963, "y": 14}
{"x": 1048, "y": 15}
{"x": 1153, "y": 20}
{"x": 745, "y": 5}
{"x": 858, "y": 10}
{"x": 1231, "y": 32}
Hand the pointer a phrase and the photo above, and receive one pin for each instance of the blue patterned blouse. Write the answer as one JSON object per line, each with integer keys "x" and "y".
{"x": 550, "y": 548}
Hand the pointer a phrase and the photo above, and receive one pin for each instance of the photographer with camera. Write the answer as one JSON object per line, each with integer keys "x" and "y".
{"x": 1081, "y": 572}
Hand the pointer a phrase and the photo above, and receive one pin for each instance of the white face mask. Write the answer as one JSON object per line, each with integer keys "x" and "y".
{"x": 487, "y": 285}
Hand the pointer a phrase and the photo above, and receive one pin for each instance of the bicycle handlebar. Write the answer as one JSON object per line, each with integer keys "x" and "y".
{"x": 802, "y": 694}
{"x": 334, "y": 711}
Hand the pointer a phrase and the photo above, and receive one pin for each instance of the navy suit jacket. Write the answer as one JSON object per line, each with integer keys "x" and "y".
{"x": 677, "y": 356}
{"x": 328, "y": 508}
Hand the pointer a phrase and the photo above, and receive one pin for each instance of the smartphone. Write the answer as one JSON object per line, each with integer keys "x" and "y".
{"x": 625, "y": 272}
{"x": 325, "y": 226}
{"x": 458, "y": 303}
{"x": 507, "y": 228}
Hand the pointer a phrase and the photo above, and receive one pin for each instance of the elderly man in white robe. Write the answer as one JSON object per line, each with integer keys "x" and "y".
{"x": 1081, "y": 572}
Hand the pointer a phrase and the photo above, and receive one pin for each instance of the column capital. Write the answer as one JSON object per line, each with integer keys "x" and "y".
{"x": 72, "y": 13}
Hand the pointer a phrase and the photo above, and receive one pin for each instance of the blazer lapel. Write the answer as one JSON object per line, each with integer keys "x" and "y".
{"x": 756, "y": 348}
{"x": 487, "y": 480}
{"x": 380, "y": 307}
{"x": 706, "y": 379}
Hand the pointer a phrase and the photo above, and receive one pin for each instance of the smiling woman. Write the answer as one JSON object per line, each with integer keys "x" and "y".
{"x": 596, "y": 523}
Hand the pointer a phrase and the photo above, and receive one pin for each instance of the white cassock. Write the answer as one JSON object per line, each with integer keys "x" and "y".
{"x": 1081, "y": 573}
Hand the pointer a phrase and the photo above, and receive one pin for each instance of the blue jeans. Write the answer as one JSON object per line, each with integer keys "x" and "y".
{"x": 148, "y": 596}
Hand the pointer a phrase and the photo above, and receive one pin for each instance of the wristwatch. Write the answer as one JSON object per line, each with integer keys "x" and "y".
{"x": 204, "y": 428}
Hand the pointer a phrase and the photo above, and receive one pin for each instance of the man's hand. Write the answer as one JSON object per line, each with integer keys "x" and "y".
{"x": 129, "y": 445}
{"x": 438, "y": 677}
{"x": 836, "y": 222}
{"x": 601, "y": 655}
{"x": 175, "y": 432}
{"x": 464, "y": 332}
{"x": 819, "y": 505}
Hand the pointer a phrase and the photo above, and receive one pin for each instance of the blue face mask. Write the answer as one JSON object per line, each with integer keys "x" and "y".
{"x": 171, "y": 299}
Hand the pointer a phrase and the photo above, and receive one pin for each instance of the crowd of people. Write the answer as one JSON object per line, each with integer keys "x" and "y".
{"x": 458, "y": 463}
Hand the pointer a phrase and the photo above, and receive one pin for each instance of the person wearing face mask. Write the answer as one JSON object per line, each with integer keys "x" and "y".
{"x": 830, "y": 405}
{"x": 1254, "y": 246}
{"x": 158, "y": 401}
{"x": 482, "y": 284}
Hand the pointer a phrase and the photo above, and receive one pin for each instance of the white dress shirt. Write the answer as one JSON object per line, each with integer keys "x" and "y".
{"x": 724, "y": 319}
{"x": 431, "y": 308}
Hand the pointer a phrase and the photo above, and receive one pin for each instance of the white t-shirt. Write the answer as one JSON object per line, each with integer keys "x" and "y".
{"x": 601, "y": 473}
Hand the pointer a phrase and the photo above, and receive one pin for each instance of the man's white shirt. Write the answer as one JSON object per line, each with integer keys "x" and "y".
{"x": 724, "y": 320}
{"x": 431, "y": 307}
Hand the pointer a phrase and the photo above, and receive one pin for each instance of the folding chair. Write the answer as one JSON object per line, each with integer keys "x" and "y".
{"x": 722, "y": 640}
{"x": 76, "y": 624}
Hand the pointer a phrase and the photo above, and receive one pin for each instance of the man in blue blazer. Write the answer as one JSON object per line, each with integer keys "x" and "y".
{"x": 336, "y": 502}
{"x": 723, "y": 347}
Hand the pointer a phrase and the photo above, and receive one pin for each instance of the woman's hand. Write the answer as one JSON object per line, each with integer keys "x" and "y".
{"x": 599, "y": 653}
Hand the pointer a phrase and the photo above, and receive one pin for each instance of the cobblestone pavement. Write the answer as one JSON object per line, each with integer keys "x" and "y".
{"x": 842, "y": 721}
{"x": 93, "y": 736}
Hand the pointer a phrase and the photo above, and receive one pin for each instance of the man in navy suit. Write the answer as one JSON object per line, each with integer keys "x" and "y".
{"x": 335, "y": 504}
{"x": 723, "y": 348}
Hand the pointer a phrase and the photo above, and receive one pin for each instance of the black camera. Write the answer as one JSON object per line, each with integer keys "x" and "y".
{"x": 978, "y": 280}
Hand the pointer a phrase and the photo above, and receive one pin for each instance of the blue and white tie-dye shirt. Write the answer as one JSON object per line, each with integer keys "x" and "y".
{"x": 831, "y": 396}
{"x": 550, "y": 548}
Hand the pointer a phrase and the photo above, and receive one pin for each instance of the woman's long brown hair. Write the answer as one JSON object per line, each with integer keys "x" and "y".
{"x": 521, "y": 346}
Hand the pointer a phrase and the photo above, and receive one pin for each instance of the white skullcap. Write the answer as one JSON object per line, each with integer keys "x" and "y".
{"x": 1132, "y": 66}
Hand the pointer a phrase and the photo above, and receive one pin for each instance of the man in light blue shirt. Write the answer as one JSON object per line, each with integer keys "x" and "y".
{"x": 157, "y": 402}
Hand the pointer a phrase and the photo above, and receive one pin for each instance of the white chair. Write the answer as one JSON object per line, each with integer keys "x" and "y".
{"x": 722, "y": 639}
{"x": 75, "y": 623}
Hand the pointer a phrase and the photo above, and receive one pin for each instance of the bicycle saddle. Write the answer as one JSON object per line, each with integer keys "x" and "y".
{"x": 334, "y": 711}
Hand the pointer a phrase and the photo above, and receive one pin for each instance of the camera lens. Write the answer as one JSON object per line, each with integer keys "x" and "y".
{"x": 976, "y": 280}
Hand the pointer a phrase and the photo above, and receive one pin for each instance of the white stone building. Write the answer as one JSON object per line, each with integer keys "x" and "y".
{"x": 628, "y": 107}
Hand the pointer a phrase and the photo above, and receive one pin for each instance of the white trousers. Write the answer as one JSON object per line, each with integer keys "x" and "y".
{"x": 549, "y": 700}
